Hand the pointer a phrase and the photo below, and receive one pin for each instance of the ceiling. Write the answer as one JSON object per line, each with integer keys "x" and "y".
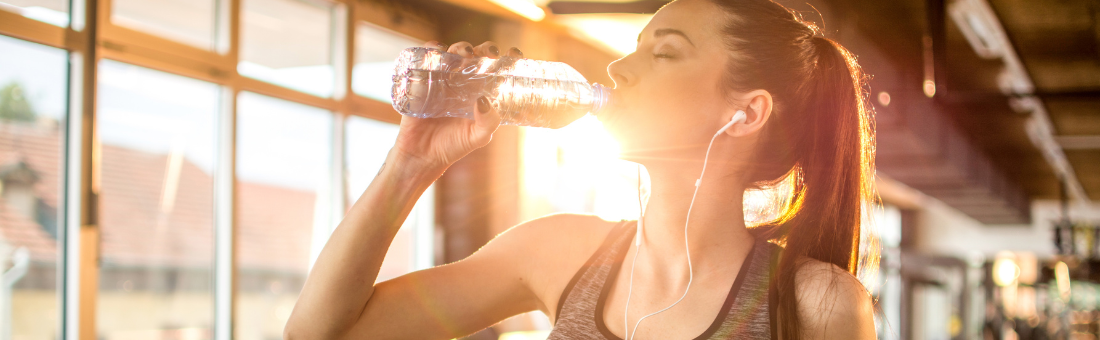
{"x": 1059, "y": 43}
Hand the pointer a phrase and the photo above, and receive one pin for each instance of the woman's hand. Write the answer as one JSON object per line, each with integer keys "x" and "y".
{"x": 436, "y": 143}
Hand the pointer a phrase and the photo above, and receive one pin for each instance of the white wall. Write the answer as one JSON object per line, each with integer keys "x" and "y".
{"x": 946, "y": 231}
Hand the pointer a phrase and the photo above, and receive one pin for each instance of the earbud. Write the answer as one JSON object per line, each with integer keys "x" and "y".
{"x": 737, "y": 118}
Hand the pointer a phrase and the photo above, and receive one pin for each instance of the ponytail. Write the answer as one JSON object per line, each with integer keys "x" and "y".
{"x": 831, "y": 179}
{"x": 819, "y": 140}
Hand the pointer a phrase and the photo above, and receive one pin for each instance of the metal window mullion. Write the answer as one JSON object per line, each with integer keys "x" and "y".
{"x": 225, "y": 212}
{"x": 341, "y": 53}
{"x": 76, "y": 163}
{"x": 424, "y": 235}
{"x": 341, "y": 46}
{"x": 343, "y": 50}
{"x": 225, "y": 274}
{"x": 336, "y": 172}
{"x": 81, "y": 236}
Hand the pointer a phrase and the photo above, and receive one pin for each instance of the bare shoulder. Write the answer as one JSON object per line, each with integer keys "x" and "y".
{"x": 832, "y": 303}
{"x": 552, "y": 248}
{"x": 554, "y": 236}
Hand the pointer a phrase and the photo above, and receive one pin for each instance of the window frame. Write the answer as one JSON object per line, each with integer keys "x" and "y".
{"x": 91, "y": 37}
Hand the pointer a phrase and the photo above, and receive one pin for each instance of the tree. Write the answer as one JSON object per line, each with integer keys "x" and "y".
{"x": 14, "y": 104}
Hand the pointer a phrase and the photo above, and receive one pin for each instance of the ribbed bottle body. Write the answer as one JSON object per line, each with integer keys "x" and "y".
{"x": 429, "y": 83}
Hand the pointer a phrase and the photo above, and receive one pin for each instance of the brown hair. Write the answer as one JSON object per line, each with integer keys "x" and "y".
{"x": 820, "y": 138}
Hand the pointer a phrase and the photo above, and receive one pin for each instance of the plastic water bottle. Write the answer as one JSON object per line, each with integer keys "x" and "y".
{"x": 429, "y": 83}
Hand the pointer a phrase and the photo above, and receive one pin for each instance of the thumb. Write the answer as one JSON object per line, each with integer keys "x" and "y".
{"x": 486, "y": 121}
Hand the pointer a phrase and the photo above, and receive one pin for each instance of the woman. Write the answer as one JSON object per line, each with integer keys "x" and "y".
{"x": 697, "y": 64}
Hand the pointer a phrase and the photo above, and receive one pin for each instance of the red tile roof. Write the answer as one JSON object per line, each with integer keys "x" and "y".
{"x": 274, "y": 223}
{"x": 19, "y": 231}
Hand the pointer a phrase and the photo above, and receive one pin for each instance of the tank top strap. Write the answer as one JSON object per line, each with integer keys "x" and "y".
{"x": 752, "y": 313}
{"x": 599, "y": 258}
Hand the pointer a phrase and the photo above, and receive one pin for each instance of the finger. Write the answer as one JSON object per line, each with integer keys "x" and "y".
{"x": 435, "y": 44}
{"x": 515, "y": 53}
{"x": 486, "y": 121}
{"x": 462, "y": 48}
{"x": 487, "y": 49}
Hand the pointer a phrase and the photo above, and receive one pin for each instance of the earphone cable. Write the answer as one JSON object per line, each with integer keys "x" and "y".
{"x": 687, "y": 249}
{"x": 638, "y": 246}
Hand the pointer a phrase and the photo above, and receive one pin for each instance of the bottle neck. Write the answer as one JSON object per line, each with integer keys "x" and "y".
{"x": 601, "y": 96}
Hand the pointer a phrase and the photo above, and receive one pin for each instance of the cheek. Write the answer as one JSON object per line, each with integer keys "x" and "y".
{"x": 668, "y": 110}
{"x": 677, "y": 103}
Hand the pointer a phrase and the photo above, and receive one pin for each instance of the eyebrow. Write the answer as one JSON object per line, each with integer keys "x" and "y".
{"x": 666, "y": 31}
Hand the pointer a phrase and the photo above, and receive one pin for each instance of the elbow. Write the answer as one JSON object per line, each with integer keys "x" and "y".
{"x": 299, "y": 329}
{"x": 293, "y": 331}
{"x": 307, "y": 322}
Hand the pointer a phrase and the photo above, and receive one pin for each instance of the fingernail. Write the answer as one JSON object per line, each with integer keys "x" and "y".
{"x": 494, "y": 50}
{"x": 517, "y": 51}
{"x": 483, "y": 104}
{"x": 469, "y": 50}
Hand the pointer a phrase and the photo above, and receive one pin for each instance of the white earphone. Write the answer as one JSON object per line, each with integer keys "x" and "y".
{"x": 738, "y": 117}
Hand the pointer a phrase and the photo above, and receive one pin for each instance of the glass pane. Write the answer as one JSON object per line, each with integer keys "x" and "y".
{"x": 577, "y": 169}
{"x": 187, "y": 21}
{"x": 54, "y": 12}
{"x": 283, "y": 174}
{"x": 367, "y": 143}
{"x": 156, "y": 203}
{"x": 288, "y": 43}
{"x": 32, "y": 111}
{"x": 376, "y": 48}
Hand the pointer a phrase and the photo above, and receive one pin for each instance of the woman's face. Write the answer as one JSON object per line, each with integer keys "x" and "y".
{"x": 668, "y": 97}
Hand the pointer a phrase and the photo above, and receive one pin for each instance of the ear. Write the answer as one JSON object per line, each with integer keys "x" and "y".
{"x": 757, "y": 105}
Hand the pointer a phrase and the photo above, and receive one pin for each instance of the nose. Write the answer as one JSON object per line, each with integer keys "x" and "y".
{"x": 620, "y": 73}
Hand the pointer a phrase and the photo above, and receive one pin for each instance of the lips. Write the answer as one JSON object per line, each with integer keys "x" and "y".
{"x": 611, "y": 112}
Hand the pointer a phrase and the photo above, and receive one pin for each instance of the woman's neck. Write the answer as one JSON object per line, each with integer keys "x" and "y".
{"x": 717, "y": 225}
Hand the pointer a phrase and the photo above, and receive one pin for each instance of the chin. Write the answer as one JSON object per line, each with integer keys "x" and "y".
{"x": 613, "y": 121}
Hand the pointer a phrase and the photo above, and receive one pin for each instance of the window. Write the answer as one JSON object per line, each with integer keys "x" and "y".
{"x": 284, "y": 212}
{"x": 288, "y": 43}
{"x": 576, "y": 169}
{"x": 187, "y": 21}
{"x": 367, "y": 143}
{"x": 162, "y": 210}
{"x": 885, "y": 286}
{"x": 32, "y": 114}
{"x": 54, "y": 12}
{"x": 376, "y": 51}
{"x": 156, "y": 196}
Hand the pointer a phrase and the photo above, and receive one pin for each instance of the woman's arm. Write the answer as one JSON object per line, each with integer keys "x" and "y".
{"x": 341, "y": 301}
{"x": 340, "y": 295}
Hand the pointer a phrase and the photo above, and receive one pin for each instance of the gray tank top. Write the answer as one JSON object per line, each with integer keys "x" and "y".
{"x": 747, "y": 313}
